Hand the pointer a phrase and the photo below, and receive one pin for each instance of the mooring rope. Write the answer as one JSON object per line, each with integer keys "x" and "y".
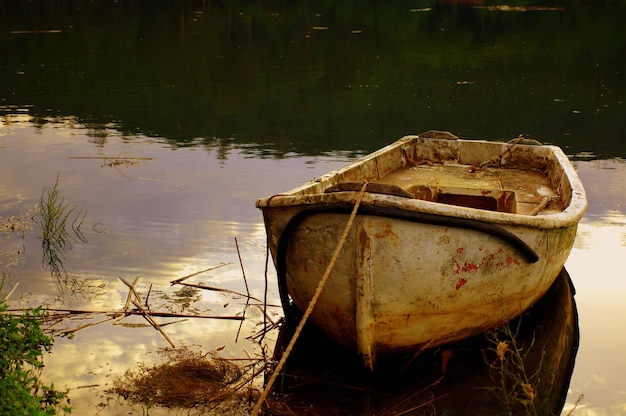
{"x": 309, "y": 310}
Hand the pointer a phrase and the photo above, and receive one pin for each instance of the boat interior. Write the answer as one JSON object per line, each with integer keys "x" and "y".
{"x": 524, "y": 182}
{"x": 504, "y": 190}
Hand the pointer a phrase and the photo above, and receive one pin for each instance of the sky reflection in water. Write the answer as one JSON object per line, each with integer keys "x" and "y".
{"x": 162, "y": 219}
{"x": 596, "y": 267}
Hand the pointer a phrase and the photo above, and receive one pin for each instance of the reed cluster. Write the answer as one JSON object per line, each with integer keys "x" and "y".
{"x": 517, "y": 384}
{"x": 61, "y": 227}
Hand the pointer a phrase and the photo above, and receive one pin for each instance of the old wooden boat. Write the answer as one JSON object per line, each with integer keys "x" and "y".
{"x": 452, "y": 238}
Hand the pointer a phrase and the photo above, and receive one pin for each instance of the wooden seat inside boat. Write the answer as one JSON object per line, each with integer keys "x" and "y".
{"x": 489, "y": 199}
{"x": 516, "y": 191}
{"x": 503, "y": 190}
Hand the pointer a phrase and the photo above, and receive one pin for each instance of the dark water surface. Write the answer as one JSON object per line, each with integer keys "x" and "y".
{"x": 214, "y": 104}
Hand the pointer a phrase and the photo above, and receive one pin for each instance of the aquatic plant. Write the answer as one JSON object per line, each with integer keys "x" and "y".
{"x": 60, "y": 225}
{"x": 22, "y": 343}
{"x": 516, "y": 383}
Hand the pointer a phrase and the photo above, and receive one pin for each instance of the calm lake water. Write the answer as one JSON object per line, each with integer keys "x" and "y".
{"x": 215, "y": 105}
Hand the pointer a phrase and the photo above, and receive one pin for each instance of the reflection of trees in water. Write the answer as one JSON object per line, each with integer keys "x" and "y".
{"x": 266, "y": 73}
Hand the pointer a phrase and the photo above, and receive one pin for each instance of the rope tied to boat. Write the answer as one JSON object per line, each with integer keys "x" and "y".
{"x": 309, "y": 310}
{"x": 497, "y": 159}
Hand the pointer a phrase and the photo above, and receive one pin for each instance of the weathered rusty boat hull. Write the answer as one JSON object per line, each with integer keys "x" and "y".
{"x": 547, "y": 333}
{"x": 409, "y": 284}
{"x": 415, "y": 273}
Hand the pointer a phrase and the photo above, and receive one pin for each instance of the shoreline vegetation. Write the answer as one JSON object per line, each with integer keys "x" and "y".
{"x": 23, "y": 345}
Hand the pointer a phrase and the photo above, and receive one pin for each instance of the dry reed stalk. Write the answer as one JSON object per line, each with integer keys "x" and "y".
{"x": 219, "y": 289}
{"x": 10, "y": 292}
{"x": 245, "y": 281}
{"x": 148, "y": 295}
{"x": 133, "y": 312}
{"x": 263, "y": 309}
{"x": 89, "y": 325}
{"x": 265, "y": 316}
{"x": 578, "y": 401}
{"x": 243, "y": 271}
{"x": 148, "y": 325}
{"x": 173, "y": 282}
{"x": 393, "y": 410}
{"x": 131, "y": 291}
{"x": 264, "y": 331}
{"x": 156, "y": 326}
{"x": 417, "y": 354}
{"x": 249, "y": 380}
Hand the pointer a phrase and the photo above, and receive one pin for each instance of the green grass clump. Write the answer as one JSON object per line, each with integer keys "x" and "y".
{"x": 22, "y": 343}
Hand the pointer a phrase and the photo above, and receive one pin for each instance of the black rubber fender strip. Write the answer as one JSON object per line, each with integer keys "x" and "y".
{"x": 387, "y": 212}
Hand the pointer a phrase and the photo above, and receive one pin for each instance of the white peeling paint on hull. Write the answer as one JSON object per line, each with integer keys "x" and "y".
{"x": 415, "y": 284}
{"x": 414, "y": 271}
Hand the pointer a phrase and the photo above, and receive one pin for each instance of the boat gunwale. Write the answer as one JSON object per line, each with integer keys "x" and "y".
{"x": 302, "y": 196}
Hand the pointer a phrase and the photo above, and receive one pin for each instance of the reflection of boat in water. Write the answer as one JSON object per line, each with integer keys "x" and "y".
{"x": 447, "y": 231}
{"x": 466, "y": 378}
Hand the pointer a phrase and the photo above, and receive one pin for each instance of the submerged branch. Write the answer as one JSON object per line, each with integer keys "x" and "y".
{"x": 152, "y": 322}
{"x": 219, "y": 289}
{"x": 131, "y": 291}
{"x": 173, "y": 282}
{"x": 132, "y": 312}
